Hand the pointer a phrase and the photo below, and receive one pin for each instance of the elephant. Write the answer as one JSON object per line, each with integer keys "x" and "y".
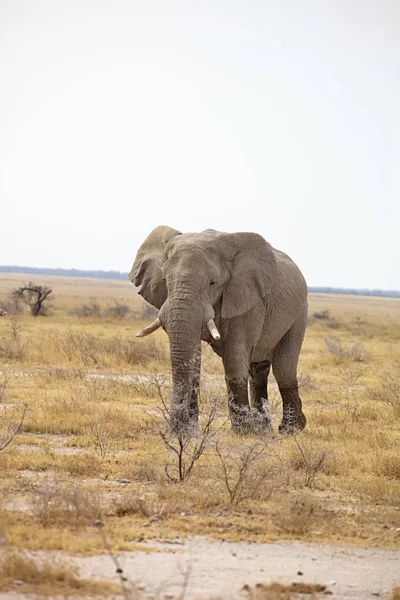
{"x": 243, "y": 297}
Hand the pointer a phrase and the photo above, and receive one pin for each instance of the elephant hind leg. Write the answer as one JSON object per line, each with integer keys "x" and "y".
{"x": 284, "y": 364}
{"x": 259, "y": 388}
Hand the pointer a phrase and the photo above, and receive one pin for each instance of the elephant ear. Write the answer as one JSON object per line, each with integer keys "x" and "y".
{"x": 253, "y": 273}
{"x": 146, "y": 271}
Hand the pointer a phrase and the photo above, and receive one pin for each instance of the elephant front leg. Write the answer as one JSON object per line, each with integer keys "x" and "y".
{"x": 293, "y": 417}
{"x": 285, "y": 359}
{"x": 194, "y": 396}
{"x": 259, "y": 391}
{"x": 238, "y": 402}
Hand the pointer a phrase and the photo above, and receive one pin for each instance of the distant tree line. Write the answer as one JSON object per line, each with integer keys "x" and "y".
{"x": 98, "y": 274}
{"x": 64, "y": 272}
{"x": 355, "y": 292}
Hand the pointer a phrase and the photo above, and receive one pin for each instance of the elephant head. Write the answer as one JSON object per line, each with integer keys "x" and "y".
{"x": 186, "y": 275}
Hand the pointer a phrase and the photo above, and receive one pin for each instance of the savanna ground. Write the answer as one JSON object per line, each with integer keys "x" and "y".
{"x": 88, "y": 467}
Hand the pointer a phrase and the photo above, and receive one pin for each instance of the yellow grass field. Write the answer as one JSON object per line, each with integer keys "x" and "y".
{"x": 93, "y": 446}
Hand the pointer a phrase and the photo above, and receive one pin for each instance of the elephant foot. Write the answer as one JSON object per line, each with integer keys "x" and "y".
{"x": 253, "y": 422}
{"x": 183, "y": 423}
{"x": 292, "y": 424}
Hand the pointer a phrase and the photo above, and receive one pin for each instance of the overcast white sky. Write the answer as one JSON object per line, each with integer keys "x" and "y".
{"x": 275, "y": 116}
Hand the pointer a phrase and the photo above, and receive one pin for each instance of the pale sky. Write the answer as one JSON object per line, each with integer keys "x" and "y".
{"x": 275, "y": 116}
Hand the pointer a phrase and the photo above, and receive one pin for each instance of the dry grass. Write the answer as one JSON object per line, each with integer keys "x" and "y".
{"x": 20, "y": 572}
{"x": 279, "y": 591}
{"x": 93, "y": 395}
{"x": 395, "y": 593}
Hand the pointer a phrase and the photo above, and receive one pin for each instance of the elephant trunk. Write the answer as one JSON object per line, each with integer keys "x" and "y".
{"x": 184, "y": 325}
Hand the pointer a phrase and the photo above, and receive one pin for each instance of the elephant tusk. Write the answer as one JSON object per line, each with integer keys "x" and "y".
{"x": 213, "y": 329}
{"x": 150, "y": 328}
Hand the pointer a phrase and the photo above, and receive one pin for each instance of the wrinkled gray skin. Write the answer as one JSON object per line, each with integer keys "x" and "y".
{"x": 258, "y": 299}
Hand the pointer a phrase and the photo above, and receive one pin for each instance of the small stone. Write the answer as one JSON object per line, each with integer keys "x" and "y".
{"x": 333, "y": 582}
{"x": 18, "y": 582}
{"x": 299, "y": 572}
{"x": 183, "y": 514}
{"x": 123, "y": 480}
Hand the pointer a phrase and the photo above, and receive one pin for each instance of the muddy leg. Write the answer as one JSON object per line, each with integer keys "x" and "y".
{"x": 258, "y": 389}
{"x": 284, "y": 364}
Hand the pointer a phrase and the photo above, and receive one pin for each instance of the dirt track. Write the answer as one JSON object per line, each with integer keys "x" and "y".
{"x": 220, "y": 569}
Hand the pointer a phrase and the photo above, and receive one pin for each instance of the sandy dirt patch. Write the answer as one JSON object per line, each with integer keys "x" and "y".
{"x": 220, "y": 569}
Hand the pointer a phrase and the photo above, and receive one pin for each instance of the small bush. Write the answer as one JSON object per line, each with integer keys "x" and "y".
{"x": 13, "y": 345}
{"x": 390, "y": 391}
{"x": 244, "y": 472}
{"x": 118, "y": 311}
{"x": 60, "y": 504}
{"x": 130, "y": 503}
{"x": 298, "y": 516}
{"x": 389, "y": 465}
{"x": 323, "y": 315}
{"x": 339, "y": 353}
{"x": 92, "y": 310}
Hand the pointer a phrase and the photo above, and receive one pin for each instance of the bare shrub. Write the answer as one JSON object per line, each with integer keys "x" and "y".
{"x": 130, "y": 503}
{"x": 3, "y": 387}
{"x": 388, "y": 465}
{"x": 390, "y": 391}
{"x": 299, "y": 515}
{"x": 340, "y": 353}
{"x": 244, "y": 470}
{"x": 13, "y": 346}
{"x": 322, "y": 315}
{"x": 349, "y": 389}
{"x": 189, "y": 445}
{"x": 118, "y": 311}
{"x": 35, "y": 296}
{"x": 310, "y": 460}
{"x": 156, "y": 385}
{"x": 127, "y": 588}
{"x": 57, "y": 503}
{"x": 83, "y": 465}
{"x": 305, "y": 381}
{"x": 107, "y": 430}
{"x": 10, "y": 305}
{"x": 11, "y": 422}
{"x": 333, "y": 324}
{"x": 92, "y": 309}
{"x": 98, "y": 389}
